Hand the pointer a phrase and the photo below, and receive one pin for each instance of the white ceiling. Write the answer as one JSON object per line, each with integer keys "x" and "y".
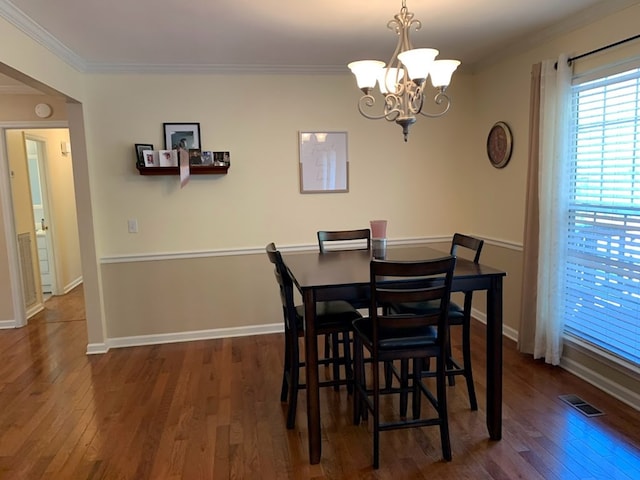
{"x": 283, "y": 35}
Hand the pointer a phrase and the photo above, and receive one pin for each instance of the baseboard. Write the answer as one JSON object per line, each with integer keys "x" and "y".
{"x": 508, "y": 332}
{"x": 6, "y": 324}
{"x": 97, "y": 348}
{"x": 136, "y": 341}
{"x": 33, "y": 310}
{"x": 71, "y": 285}
{"x": 614, "y": 389}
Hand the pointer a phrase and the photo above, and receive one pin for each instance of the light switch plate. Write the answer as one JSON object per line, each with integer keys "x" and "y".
{"x": 133, "y": 225}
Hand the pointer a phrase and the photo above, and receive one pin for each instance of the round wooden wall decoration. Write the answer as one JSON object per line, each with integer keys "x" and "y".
{"x": 499, "y": 144}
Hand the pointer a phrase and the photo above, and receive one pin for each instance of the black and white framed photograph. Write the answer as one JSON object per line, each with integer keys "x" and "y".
{"x": 141, "y": 147}
{"x": 324, "y": 167}
{"x": 181, "y": 135}
{"x": 195, "y": 156}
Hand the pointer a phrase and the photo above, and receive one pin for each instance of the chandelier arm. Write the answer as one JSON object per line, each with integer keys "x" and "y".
{"x": 368, "y": 102}
{"x": 441, "y": 98}
{"x": 415, "y": 97}
{"x": 393, "y": 107}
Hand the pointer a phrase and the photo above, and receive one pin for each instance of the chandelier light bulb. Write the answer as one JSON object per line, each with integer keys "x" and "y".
{"x": 366, "y": 72}
{"x": 418, "y": 62}
{"x": 441, "y": 72}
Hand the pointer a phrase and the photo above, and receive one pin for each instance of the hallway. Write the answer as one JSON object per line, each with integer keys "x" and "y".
{"x": 63, "y": 308}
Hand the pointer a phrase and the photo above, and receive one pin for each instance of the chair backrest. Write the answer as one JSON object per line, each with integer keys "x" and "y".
{"x": 345, "y": 240}
{"x": 286, "y": 288}
{"x": 471, "y": 243}
{"x": 394, "y": 282}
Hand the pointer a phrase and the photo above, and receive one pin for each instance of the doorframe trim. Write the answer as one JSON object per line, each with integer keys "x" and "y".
{"x": 19, "y": 310}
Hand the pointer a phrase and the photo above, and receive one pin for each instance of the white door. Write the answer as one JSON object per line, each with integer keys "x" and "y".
{"x": 36, "y": 160}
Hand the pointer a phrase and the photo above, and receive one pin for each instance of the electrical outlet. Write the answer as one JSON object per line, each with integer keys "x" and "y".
{"x": 133, "y": 225}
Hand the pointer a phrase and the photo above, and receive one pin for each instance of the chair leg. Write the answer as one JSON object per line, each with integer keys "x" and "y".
{"x": 358, "y": 380}
{"x": 449, "y": 361}
{"x": 294, "y": 382}
{"x": 404, "y": 387}
{"x": 417, "y": 393}
{"x": 441, "y": 386}
{"x": 468, "y": 372}
{"x": 335, "y": 355}
{"x": 348, "y": 363}
{"x": 327, "y": 345}
{"x": 285, "y": 371}
{"x": 376, "y": 415}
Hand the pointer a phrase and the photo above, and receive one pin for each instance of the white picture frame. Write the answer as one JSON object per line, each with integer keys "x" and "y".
{"x": 151, "y": 158}
{"x": 324, "y": 165}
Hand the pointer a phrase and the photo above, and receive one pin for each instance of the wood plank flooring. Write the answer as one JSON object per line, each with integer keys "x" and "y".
{"x": 211, "y": 410}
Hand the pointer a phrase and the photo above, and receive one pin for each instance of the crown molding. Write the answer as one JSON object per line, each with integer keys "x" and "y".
{"x": 34, "y": 31}
{"x": 18, "y": 90}
{"x": 211, "y": 68}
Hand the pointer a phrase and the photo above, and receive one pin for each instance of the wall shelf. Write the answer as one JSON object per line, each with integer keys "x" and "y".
{"x": 193, "y": 169}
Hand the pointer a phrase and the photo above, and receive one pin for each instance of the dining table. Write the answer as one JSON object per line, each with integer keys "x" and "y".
{"x": 345, "y": 275}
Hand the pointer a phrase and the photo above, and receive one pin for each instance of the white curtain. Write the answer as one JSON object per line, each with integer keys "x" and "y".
{"x": 555, "y": 114}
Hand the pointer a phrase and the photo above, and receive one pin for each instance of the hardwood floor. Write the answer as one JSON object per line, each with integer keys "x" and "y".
{"x": 211, "y": 410}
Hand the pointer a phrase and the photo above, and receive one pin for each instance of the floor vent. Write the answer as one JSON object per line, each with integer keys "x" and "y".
{"x": 579, "y": 404}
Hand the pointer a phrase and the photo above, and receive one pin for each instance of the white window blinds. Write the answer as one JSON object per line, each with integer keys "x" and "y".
{"x": 602, "y": 273}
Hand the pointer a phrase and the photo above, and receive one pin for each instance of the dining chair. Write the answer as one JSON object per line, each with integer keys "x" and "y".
{"x": 336, "y": 240}
{"x": 458, "y": 316}
{"x": 329, "y": 240}
{"x": 332, "y": 317}
{"x": 390, "y": 336}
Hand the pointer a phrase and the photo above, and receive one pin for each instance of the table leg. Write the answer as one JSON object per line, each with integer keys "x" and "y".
{"x": 313, "y": 391}
{"x": 494, "y": 358}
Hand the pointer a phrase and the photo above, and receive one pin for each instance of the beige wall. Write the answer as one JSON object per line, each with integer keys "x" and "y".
{"x": 189, "y": 295}
{"x": 258, "y": 200}
{"x": 22, "y": 108}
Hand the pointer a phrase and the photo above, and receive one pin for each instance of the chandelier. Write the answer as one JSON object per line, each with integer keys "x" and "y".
{"x": 402, "y": 81}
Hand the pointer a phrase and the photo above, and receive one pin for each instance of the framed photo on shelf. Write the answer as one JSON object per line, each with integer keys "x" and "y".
{"x": 141, "y": 147}
{"x": 151, "y": 158}
{"x": 168, "y": 158}
{"x": 181, "y": 135}
{"x": 207, "y": 157}
{"x": 195, "y": 156}
{"x": 324, "y": 166}
{"x": 221, "y": 159}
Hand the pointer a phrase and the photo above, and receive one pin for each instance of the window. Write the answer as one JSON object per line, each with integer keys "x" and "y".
{"x": 602, "y": 272}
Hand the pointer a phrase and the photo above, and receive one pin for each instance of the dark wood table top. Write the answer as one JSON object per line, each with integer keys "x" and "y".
{"x": 349, "y": 268}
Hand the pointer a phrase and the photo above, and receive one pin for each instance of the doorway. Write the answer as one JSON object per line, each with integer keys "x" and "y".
{"x": 44, "y": 213}
{"x": 37, "y": 169}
